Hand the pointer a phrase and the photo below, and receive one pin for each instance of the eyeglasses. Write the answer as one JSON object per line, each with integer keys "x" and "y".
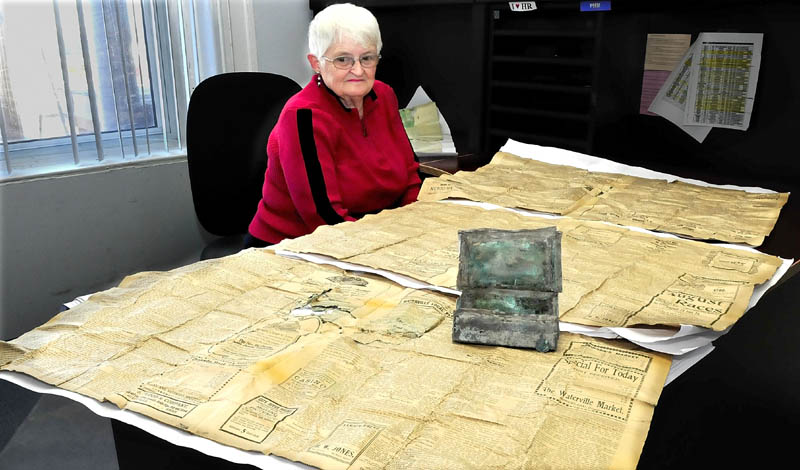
{"x": 346, "y": 62}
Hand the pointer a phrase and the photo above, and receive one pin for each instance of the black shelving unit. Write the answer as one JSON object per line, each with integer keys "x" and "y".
{"x": 541, "y": 75}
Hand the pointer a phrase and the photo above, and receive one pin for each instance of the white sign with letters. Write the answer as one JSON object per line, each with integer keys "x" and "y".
{"x": 522, "y": 6}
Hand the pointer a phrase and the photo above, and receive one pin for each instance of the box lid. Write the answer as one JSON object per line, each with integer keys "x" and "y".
{"x": 510, "y": 259}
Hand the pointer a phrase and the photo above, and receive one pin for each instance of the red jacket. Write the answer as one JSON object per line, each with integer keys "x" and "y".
{"x": 325, "y": 165}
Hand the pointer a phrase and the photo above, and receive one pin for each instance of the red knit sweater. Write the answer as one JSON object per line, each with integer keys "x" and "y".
{"x": 325, "y": 165}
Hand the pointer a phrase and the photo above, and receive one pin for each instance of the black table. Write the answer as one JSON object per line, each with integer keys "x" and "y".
{"x": 739, "y": 407}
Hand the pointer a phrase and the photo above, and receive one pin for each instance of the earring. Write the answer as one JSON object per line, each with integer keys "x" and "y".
{"x": 319, "y": 78}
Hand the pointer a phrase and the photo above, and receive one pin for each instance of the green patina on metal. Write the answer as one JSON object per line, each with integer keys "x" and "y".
{"x": 507, "y": 263}
{"x": 509, "y": 282}
{"x": 509, "y": 301}
{"x": 510, "y": 259}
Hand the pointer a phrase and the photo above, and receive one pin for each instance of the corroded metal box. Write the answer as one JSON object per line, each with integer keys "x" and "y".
{"x": 509, "y": 282}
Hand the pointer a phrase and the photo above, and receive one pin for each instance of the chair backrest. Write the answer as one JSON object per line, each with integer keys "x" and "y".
{"x": 229, "y": 120}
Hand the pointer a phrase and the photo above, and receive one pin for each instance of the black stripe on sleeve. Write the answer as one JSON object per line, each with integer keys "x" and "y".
{"x": 316, "y": 181}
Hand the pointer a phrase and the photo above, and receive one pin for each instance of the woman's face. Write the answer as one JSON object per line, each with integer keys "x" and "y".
{"x": 353, "y": 83}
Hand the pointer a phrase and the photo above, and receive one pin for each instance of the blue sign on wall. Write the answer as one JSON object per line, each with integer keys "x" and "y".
{"x": 596, "y": 6}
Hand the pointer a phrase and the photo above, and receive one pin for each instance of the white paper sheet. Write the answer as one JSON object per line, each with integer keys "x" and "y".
{"x": 448, "y": 146}
{"x": 714, "y": 85}
{"x": 676, "y": 345}
{"x": 723, "y": 79}
{"x": 681, "y": 364}
{"x": 670, "y": 101}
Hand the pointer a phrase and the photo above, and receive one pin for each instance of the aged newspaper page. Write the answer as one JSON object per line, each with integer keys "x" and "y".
{"x": 342, "y": 371}
{"x": 612, "y": 276}
{"x": 699, "y": 212}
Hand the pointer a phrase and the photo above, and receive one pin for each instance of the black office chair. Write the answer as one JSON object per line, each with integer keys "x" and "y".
{"x": 229, "y": 119}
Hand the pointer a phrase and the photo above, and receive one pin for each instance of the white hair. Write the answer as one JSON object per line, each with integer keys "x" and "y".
{"x": 339, "y": 21}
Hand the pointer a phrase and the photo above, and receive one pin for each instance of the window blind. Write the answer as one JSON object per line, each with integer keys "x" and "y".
{"x": 105, "y": 81}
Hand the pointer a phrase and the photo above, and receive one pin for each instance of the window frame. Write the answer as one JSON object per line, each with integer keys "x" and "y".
{"x": 165, "y": 26}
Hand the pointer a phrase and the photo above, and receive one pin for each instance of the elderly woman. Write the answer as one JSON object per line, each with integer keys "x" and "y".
{"x": 339, "y": 149}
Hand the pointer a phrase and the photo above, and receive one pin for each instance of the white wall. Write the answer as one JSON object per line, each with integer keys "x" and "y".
{"x": 281, "y": 28}
{"x": 62, "y": 237}
{"x": 68, "y": 236}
